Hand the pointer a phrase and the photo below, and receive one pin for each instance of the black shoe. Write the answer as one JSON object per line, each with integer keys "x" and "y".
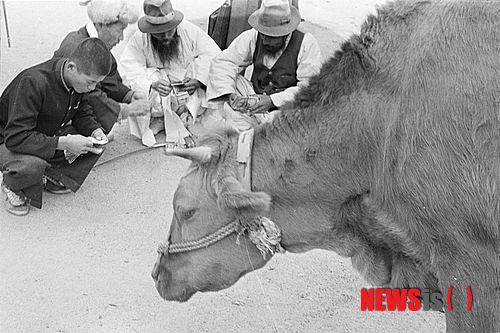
{"x": 53, "y": 186}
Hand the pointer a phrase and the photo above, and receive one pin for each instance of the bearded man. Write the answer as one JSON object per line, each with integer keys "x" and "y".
{"x": 283, "y": 60}
{"x": 111, "y": 99}
{"x": 168, "y": 59}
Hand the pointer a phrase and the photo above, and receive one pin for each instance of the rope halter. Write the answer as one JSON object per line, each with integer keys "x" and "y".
{"x": 205, "y": 241}
{"x": 261, "y": 231}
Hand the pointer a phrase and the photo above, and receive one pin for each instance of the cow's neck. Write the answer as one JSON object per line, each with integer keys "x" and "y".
{"x": 313, "y": 178}
{"x": 307, "y": 184}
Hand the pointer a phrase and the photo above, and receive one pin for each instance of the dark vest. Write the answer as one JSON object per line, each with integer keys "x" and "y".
{"x": 284, "y": 72}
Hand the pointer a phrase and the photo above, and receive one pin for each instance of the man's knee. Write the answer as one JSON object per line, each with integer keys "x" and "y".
{"x": 23, "y": 171}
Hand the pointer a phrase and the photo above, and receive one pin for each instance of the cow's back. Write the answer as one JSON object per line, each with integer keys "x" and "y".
{"x": 441, "y": 145}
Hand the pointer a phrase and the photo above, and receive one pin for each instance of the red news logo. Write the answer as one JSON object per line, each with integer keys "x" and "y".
{"x": 412, "y": 299}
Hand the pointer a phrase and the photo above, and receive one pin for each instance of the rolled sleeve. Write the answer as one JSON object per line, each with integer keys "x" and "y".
{"x": 281, "y": 98}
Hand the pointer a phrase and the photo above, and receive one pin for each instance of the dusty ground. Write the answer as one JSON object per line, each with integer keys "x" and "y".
{"x": 82, "y": 263}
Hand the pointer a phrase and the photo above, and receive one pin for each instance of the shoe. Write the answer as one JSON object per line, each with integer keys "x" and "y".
{"x": 53, "y": 186}
{"x": 16, "y": 204}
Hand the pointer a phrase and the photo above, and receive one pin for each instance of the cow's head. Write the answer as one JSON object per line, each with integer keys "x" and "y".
{"x": 208, "y": 198}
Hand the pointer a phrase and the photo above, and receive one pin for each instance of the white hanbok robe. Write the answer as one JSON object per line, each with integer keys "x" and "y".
{"x": 141, "y": 67}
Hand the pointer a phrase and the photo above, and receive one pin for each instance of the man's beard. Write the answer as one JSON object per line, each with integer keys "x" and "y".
{"x": 166, "y": 50}
{"x": 272, "y": 50}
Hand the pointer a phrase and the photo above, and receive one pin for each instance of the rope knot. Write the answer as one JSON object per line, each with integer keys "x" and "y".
{"x": 264, "y": 234}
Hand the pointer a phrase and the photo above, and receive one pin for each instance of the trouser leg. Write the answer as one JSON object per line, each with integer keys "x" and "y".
{"x": 71, "y": 175}
{"x": 23, "y": 173}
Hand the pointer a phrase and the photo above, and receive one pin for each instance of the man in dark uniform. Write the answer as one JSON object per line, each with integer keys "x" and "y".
{"x": 283, "y": 58}
{"x": 44, "y": 120}
{"x": 111, "y": 99}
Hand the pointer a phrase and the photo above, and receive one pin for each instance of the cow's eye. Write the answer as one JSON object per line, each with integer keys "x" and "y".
{"x": 187, "y": 214}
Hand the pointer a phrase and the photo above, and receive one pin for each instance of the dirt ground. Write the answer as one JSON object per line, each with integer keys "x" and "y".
{"x": 83, "y": 262}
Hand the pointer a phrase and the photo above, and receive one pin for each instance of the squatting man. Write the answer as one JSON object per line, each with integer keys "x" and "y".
{"x": 47, "y": 128}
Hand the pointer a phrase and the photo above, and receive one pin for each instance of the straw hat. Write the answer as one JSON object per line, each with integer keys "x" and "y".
{"x": 160, "y": 17}
{"x": 275, "y": 18}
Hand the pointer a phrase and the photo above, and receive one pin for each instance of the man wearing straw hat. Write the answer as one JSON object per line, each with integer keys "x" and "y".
{"x": 111, "y": 99}
{"x": 168, "y": 58}
{"x": 283, "y": 60}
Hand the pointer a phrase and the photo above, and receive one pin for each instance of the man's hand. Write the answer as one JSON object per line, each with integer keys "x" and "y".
{"x": 77, "y": 144}
{"x": 162, "y": 87}
{"x": 237, "y": 102}
{"x": 263, "y": 105}
{"x": 137, "y": 108}
{"x": 191, "y": 86}
{"x": 250, "y": 104}
{"x": 99, "y": 135}
{"x": 138, "y": 95}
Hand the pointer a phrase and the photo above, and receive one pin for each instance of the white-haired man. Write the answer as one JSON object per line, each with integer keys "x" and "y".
{"x": 283, "y": 59}
{"x": 167, "y": 50}
{"x": 111, "y": 99}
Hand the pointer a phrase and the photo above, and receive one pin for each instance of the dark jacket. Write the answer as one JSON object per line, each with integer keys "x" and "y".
{"x": 111, "y": 90}
{"x": 36, "y": 106}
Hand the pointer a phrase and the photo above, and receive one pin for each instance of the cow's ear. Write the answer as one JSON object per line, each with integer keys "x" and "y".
{"x": 232, "y": 195}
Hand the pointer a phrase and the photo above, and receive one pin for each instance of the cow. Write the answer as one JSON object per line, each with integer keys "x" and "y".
{"x": 390, "y": 156}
